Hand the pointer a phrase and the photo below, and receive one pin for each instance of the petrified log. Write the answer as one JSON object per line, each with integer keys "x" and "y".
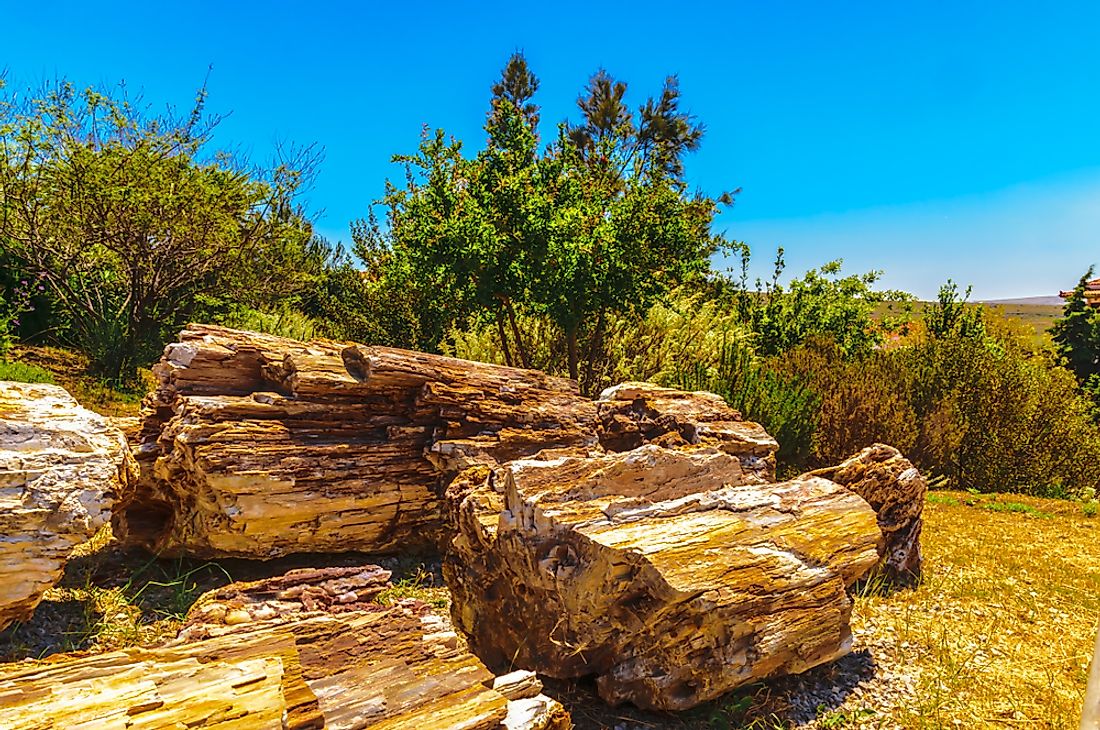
{"x": 895, "y": 490}
{"x": 60, "y": 469}
{"x": 259, "y": 446}
{"x": 633, "y": 414}
{"x": 305, "y": 650}
{"x": 659, "y": 571}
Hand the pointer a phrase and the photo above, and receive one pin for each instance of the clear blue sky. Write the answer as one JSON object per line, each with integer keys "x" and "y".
{"x": 931, "y": 140}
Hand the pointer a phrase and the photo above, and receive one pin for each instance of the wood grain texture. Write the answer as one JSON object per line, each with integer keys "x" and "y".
{"x": 895, "y": 490}
{"x": 658, "y": 570}
{"x": 303, "y": 650}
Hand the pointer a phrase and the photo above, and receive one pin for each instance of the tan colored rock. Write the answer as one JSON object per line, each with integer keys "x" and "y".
{"x": 639, "y": 537}
{"x": 659, "y": 571}
{"x": 633, "y": 414}
{"x": 895, "y": 490}
{"x": 259, "y": 446}
{"x": 61, "y": 467}
{"x": 306, "y": 657}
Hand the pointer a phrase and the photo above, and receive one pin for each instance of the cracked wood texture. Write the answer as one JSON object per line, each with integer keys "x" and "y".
{"x": 259, "y": 446}
{"x": 304, "y": 650}
{"x": 658, "y": 570}
{"x": 895, "y": 490}
{"x": 61, "y": 467}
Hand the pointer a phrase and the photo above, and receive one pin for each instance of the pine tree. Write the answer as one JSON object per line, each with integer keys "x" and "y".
{"x": 1077, "y": 336}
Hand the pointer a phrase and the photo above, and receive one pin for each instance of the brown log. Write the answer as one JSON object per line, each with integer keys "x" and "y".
{"x": 258, "y": 446}
{"x": 659, "y": 571}
{"x": 304, "y": 650}
{"x": 60, "y": 469}
{"x": 633, "y": 414}
{"x": 895, "y": 490}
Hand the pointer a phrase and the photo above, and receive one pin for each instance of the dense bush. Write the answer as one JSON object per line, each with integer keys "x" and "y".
{"x": 966, "y": 401}
{"x": 784, "y": 404}
{"x": 688, "y": 327}
{"x": 134, "y": 224}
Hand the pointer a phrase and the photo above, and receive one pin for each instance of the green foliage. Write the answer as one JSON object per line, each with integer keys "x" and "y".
{"x": 1077, "y": 338}
{"x": 284, "y": 322}
{"x": 820, "y": 304}
{"x": 22, "y": 372}
{"x": 134, "y": 225}
{"x": 950, "y": 316}
{"x": 13, "y": 305}
{"x": 597, "y": 225}
{"x": 980, "y": 409}
{"x": 688, "y": 329}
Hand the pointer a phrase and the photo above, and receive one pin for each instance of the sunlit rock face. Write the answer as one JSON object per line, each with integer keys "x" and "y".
{"x": 61, "y": 468}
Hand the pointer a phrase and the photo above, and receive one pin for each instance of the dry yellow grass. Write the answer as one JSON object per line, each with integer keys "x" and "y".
{"x": 1000, "y": 632}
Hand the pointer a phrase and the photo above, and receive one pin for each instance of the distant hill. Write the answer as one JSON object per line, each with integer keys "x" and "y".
{"x": 1051, "y": 300}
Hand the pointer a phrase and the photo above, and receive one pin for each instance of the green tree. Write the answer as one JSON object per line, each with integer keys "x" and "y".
{"x": 821, "y": 304}
{"x": 1077, "y": 338}
{"x": 952, "y": 315}
{"x": 599, "y": 222}
{"x": 134, "y": 225}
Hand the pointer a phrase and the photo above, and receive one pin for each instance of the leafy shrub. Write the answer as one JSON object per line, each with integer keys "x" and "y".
{"x": 978, "y": 408}
{"x": 285, "y": 322}
{"x": 685, "y": 331}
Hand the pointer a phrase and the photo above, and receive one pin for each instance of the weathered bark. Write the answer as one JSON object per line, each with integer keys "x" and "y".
{"x": 895, "y": 490}
{"x": 632, "y": 414}
{"x": 292, "y": 652}
{"x": 660, "y": 571}
{"x": 258, "y": 446}
{"x": 60, "y": 469}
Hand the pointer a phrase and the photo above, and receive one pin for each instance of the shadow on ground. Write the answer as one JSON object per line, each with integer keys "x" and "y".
{"x": 780, "y": 703}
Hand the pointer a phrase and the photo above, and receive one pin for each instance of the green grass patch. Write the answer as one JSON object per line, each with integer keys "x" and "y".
{"x": 419, "y": 586}
{"x": 934, "y": 498}
{"x": 22, "y": 372}
{"x": 1016, "y": 507}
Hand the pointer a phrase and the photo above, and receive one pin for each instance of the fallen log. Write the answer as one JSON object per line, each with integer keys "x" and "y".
{"x": 895, "y": 490}
{"x": 659, "y": 571}
{"x": 257, "y": 446}
{"x": 61, "y": 467}
{"x": 304, "y": 650}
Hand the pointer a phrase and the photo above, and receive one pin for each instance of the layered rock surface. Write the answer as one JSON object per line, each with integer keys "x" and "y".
{"x": 61, "y": 467}
{"x": 640, "y": 537}
{"x": 305, "y": 650}
{"x": 660, "y": 571}
{"x": 895, "y": 489}
{"x": 259, "y": 446}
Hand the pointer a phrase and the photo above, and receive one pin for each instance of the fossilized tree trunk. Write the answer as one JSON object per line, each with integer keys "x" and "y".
{"x": 657, "y": 570}
{"x": 895, "y": 490}
{"x": 61, "y": 467}
{"x": 258, "y": 446}
{"x": 305, "y": 650}
{"x": 639, "y": 537}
